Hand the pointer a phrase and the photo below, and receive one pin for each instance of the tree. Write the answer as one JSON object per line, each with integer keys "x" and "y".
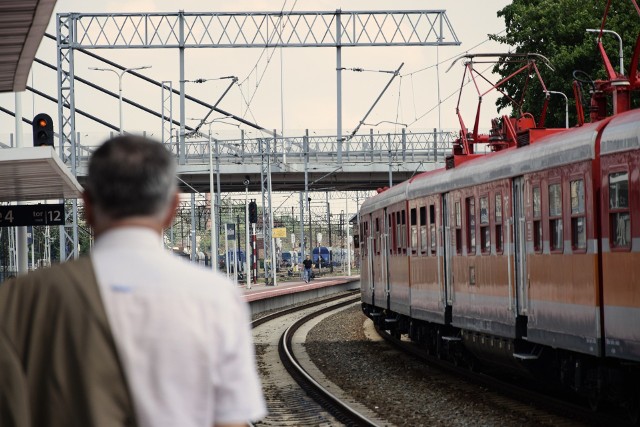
{"x": 556, "y": 29}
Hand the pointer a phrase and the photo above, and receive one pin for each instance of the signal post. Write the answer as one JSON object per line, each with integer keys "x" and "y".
{"x": 253, "y": 219}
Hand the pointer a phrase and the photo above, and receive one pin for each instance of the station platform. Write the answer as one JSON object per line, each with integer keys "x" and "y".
{"x": 262, "y": 298}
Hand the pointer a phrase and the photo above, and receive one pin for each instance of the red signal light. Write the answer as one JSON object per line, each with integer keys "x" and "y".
{"x": 42, "y": 123}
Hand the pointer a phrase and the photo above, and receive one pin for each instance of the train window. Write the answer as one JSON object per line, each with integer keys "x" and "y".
{"x": 498, "y": 221}
{"x": 555, "y": 217}
{"x": 423, "y": 230}
{"x": 393, "y": 229}
{"x": 432, "y": 227}
{"x": 403, "y": 236}
{"x": 537, "y": 222}
{"x": 620, "y": 220}
{"x": 485, "y": 232}
{"x": 471, "y": 226}
{"x": 398, "y": 236}
{"x": 365, "y": 241}
{"x": 458, "y": 229}
{"x": 578, "y": 219}
{"x": 414, "y": 231}
{"x": 376, "y": 241}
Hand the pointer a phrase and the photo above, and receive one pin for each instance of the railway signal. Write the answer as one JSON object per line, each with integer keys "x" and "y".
{"x": 42, "y": 130}
{"x": 253, "y": 212}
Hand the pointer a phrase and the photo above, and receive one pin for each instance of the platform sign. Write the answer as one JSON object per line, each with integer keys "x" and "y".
{"x": 280, "y": 232}
{"x": 231, "y": 232}
{"x": 22, "y": 215}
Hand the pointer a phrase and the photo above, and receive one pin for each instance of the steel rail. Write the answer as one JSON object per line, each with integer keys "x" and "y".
{"x": 330, "y": 402}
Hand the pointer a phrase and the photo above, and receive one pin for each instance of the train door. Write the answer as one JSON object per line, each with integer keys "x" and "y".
{"x": 446, "y": 250}
{"x": 370, "y": 236}
{"x": 519, "y": 247}
{"x": 385, "y": 243}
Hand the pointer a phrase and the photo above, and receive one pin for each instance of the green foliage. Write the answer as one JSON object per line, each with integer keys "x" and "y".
{"x": 556, "y": 29}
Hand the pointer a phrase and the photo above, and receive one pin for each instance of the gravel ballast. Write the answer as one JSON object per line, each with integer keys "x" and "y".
{"x": 399, "y": 388}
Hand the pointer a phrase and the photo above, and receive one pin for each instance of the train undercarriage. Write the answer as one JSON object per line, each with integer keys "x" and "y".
{"x": 597, "y": 381}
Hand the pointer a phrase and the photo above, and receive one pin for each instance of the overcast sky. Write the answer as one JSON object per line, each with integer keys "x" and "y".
{"x": 308, "y": 90}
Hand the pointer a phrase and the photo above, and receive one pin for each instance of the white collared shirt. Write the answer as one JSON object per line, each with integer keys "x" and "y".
{"x": 182, "y": 333}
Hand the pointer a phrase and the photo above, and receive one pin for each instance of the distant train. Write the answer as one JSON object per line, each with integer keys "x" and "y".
{"x": 321, "y": 256}
{"x": 527, "y": 257}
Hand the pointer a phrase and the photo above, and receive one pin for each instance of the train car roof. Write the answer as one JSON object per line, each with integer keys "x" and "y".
{"x": 395, "y": 194}
{"x": 553, "y": 151}
{"x": 556, "y": 150}
{"x": 622, "y": 133}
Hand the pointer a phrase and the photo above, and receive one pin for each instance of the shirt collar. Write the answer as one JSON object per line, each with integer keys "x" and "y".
{"x": 129, "y": 237}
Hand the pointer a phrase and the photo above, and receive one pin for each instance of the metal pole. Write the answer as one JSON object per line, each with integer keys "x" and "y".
{"x": 226, "y": 248}
{"x": 390, "y": 170}
{"x": 22, "y": 249}
{"x": 302, "y": 245}
{"x": 235, "y": 261}
{"x": 326, "y": 193}
{"x": 194, "y": 250}
{"x": 120, "y": 99}
{"x": 214, "y": 228}
{"x": 181, "y": 156}
{"x": 255, "y": 254}
{"x": 346, "y": 220}
{"x": 620, "y": 51}
{"x": 339, "y": 83}
{"x": 247, "y": 270}
{"x": 566, "y": 105}
{"x": 273, "y": 242}
{"x": 218, "y": 192}
{"x": 305, "y": 142}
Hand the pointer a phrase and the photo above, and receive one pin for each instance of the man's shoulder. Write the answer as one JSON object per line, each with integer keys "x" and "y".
{"x": 55, "y": 272}
{"x": 199, "y": 278}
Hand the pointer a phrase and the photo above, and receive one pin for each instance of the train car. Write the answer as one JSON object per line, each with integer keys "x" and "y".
{"x": 526, "y": 257}
{"x": 620, "y": 219}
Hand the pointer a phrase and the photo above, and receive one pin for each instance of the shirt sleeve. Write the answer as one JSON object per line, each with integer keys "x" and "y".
{"x": 237, "y": 389}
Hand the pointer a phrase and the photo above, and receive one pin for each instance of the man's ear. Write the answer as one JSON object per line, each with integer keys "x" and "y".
{"x": 171, "y": 213}
{"x": 88, "y": 209}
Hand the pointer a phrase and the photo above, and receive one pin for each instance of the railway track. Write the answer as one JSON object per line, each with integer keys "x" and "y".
{"x": 293, "y": 396}
{"x": 542, "y": 407}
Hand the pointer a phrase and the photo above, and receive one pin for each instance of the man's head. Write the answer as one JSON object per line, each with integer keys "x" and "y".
{"x": 131, "y": 180}
{"x": 308, "y": 256}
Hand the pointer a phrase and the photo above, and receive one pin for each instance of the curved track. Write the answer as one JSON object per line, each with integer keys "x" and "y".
{"x": 305, "y": 401}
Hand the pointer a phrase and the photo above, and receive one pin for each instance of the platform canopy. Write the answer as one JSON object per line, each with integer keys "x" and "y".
{"x": 22, "y": 26}
{"x": 35, "y": 173}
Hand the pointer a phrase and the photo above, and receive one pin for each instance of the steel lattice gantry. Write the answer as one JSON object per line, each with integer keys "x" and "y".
{"x": 184, "y": 30}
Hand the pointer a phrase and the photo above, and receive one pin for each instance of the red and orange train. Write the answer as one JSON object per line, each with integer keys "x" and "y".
{"x": 529, "y": 255}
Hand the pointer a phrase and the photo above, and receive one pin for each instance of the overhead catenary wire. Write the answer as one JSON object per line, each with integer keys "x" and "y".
{"x": 255, "y": 67}
{"x": 452, "y": 57}
{"x": 445, "y": 99}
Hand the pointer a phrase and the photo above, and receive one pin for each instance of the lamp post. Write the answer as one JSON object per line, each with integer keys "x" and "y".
{"x": 620, "y": 53}
{"x": 247, "y": 270}
{"x": 120, "y": 74}
{"x": 566, "y": 105}
{"x": 214, "y": 228}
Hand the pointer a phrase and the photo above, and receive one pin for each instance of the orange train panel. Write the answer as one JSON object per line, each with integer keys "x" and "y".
{"x": 484, "y": 305}
{"x": 622, "y": 304}
{"x": 564, "y": 306}
{"x": 399, "y": 284}
{"x": 426, "y": 293}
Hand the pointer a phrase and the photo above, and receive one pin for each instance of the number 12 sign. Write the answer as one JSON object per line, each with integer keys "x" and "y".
{"x": 21, "y": 215}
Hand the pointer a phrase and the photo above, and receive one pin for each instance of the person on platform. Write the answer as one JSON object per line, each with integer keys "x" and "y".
{"x": 307, "y": 264}
{"x": 130, "y": 335}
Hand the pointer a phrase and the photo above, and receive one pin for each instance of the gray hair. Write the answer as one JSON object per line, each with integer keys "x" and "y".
{"x": 131, "y": 176}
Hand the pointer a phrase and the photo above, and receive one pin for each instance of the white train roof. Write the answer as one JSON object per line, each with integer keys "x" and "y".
{"x": 622, "y": 133}
{"x": 553, "y": 151}
{"x": 395, "y": 194}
